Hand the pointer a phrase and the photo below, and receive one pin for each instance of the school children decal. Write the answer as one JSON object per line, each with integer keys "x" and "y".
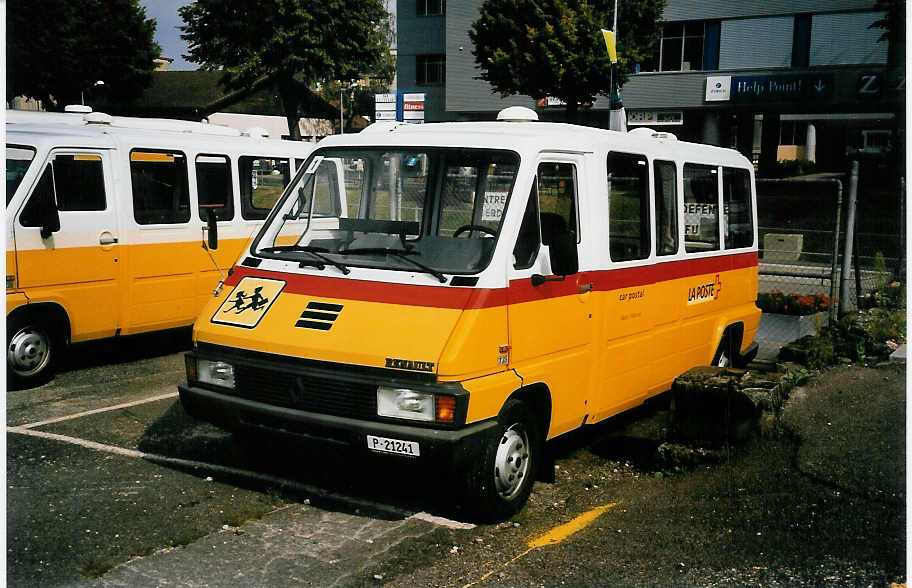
{"x": 248, "y": 302}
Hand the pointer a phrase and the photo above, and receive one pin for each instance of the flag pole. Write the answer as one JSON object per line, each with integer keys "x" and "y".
{"x": 617, "y": 116}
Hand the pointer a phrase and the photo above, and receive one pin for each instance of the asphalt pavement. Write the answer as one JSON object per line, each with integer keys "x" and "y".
{"x": 110, "y": 484}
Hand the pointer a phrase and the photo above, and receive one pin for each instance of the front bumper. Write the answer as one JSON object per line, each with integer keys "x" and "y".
{"x": 448, "y": 448}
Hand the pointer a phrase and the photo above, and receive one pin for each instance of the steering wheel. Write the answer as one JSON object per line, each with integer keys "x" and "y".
{"x": 481, "y": 228}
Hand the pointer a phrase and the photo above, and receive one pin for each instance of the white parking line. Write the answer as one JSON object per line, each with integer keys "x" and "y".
{"x": 97, "y": 410}
{"x": 227, "y": 470}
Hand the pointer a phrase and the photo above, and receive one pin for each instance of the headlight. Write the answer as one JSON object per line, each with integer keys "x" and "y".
{"x": 216, "y": 373}
{"x": 405, "y": 403}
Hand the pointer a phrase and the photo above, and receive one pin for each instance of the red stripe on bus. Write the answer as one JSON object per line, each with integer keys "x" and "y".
{"x": 520, "y": 290}
{"x": 368, "y": 291}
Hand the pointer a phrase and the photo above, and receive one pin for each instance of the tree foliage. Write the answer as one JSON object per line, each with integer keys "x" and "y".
{"x": 894, "y": 25}
{"x": 293, "y": 43}
{"x": 58, "y": 49}
{"x": 555, "y": 48}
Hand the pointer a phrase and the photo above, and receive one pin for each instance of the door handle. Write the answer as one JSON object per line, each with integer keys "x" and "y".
{"x": 106, "y": 238}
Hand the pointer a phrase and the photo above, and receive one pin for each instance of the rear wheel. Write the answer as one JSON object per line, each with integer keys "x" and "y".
{"x": 32, "y": 346}
{"x": 502, "y": 480}
{"x": 725, "y": 354}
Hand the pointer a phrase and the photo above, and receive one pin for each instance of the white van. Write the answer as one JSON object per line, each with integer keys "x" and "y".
{"x": 104, "y": 224}
{"x": 490, "y": 286}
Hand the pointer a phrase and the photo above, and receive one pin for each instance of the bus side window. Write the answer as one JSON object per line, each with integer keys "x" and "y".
{"x": 528, "y": 240}
{"x": 213, "y": 186}
{"x": 738, "y": 220}
{"x": 557, "y": 200}
{"x": 326, "y": 190}
{"x": 262, "y": 181}
{"x": 666, "y": 207}
{"x": 701, "y": 208}
{"x": 71, "y": 183}
{"x": 160, "y": 191}
{"x": 628, "y": 202}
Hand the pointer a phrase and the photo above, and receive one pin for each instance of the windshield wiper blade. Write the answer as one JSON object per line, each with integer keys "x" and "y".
{"x": 305, "y": 248}
{"x": 345, "y": 271}
{"x": 315, "y": 251}
{"x": 401, "y": 253}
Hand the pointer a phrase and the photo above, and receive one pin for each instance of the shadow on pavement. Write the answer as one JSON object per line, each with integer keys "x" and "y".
{"x": 342, "y": 479}
{"x": 124, "y": 349}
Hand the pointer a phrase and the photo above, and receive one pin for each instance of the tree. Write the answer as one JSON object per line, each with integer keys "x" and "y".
{"x": 360, "y": 98}
{"x": 554, "y": 47}
{"x": 894, "y": 25}
{"x": 294, "y": 44}
{"x": 58, "y": 49}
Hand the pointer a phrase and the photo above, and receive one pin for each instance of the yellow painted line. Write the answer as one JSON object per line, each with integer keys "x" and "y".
{"x": 553, "y": 537}
{"x": 558, "y": 534}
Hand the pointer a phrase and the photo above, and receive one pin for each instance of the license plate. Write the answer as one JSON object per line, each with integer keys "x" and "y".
{"x": 396, "y": 446}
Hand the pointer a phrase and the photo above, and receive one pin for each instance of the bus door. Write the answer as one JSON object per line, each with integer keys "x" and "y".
{"x": 550, "y": 322}
{"x": 634, "y": 293}
{"x": 67, "y": 241}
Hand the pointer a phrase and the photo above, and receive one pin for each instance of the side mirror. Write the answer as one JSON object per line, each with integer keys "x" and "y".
{"x": 564, "y": 261}
{"x": 50, "y": 221}
{"x": 211, "y": 229}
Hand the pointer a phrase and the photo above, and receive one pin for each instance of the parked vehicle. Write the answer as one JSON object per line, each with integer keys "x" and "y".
{"x": 490, "y": 286}
{"x": 104, "y": 224}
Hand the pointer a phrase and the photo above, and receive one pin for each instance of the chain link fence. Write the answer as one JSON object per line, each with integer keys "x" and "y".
{"x": 802, "y": 237}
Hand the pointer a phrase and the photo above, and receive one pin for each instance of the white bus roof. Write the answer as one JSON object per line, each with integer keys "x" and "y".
{"x": 537, "y": 137}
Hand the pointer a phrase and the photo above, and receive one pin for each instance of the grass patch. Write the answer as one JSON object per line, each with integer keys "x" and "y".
{"x": 96, "y": 567}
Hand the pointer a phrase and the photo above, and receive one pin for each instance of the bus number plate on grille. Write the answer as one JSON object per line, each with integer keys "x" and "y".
{"x": 384, "y": 445}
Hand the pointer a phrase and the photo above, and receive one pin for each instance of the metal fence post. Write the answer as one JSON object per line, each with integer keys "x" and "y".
{"x": 844, "y": 306}
{"x": 837, "y": 226}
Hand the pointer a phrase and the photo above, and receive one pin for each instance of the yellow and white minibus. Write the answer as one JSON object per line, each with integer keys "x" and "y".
{"x": 104, "y": 219}
{"x": 489, "y": 286}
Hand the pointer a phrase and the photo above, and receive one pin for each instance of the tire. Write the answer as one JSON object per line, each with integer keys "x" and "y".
{"x": 502, "y": 480}
{"x": 33, "y": 345}
{"x": 725, "y": 355}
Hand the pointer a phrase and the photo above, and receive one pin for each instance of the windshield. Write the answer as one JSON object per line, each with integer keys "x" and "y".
{"x": 18, "y": 160}
{"x": 427, "y": 210}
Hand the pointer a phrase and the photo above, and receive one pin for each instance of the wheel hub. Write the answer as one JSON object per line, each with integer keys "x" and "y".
{"x": 28, "y": 351}
{"x": 511, "y": 464}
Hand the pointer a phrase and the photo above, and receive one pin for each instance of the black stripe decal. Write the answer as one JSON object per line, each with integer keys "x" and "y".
{"x": 314, "y": 325}
{"x": 324, "y": 306}
{"x": 320, "y": 316}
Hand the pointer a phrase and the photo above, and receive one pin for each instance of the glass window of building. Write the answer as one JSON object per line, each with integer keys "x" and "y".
{"x": 682, "y": 46}
{"x": 430, "y": 7}
{"x": 430, "y": 69}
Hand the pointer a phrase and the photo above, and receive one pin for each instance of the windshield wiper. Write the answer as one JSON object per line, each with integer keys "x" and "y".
{"x": 400, "y": 253}
{"x": 315, "y": 251}
{"x": 306, "y": 248}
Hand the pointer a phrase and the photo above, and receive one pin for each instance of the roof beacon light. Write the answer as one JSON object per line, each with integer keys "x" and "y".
{"x": 517, "y": 114}
{"x": 654, "y": 134}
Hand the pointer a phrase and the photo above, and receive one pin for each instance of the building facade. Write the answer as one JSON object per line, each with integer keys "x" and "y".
{"x": 775, "y": 79}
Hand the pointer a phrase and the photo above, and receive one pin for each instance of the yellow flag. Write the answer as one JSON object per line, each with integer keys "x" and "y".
{"x": 610, "y": 44}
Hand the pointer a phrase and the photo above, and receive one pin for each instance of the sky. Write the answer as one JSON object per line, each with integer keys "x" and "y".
{"x": 167, "y": 33}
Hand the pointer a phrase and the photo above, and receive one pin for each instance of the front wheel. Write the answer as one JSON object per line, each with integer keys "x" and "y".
{"x": 32, "y": 346}
{"x": 502, "y": 480}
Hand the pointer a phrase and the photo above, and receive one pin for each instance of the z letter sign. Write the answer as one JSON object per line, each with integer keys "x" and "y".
{"x": 248, "y": 302}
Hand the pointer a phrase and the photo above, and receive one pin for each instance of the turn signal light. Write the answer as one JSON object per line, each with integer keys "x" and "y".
{"x": 446, "y": 409}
